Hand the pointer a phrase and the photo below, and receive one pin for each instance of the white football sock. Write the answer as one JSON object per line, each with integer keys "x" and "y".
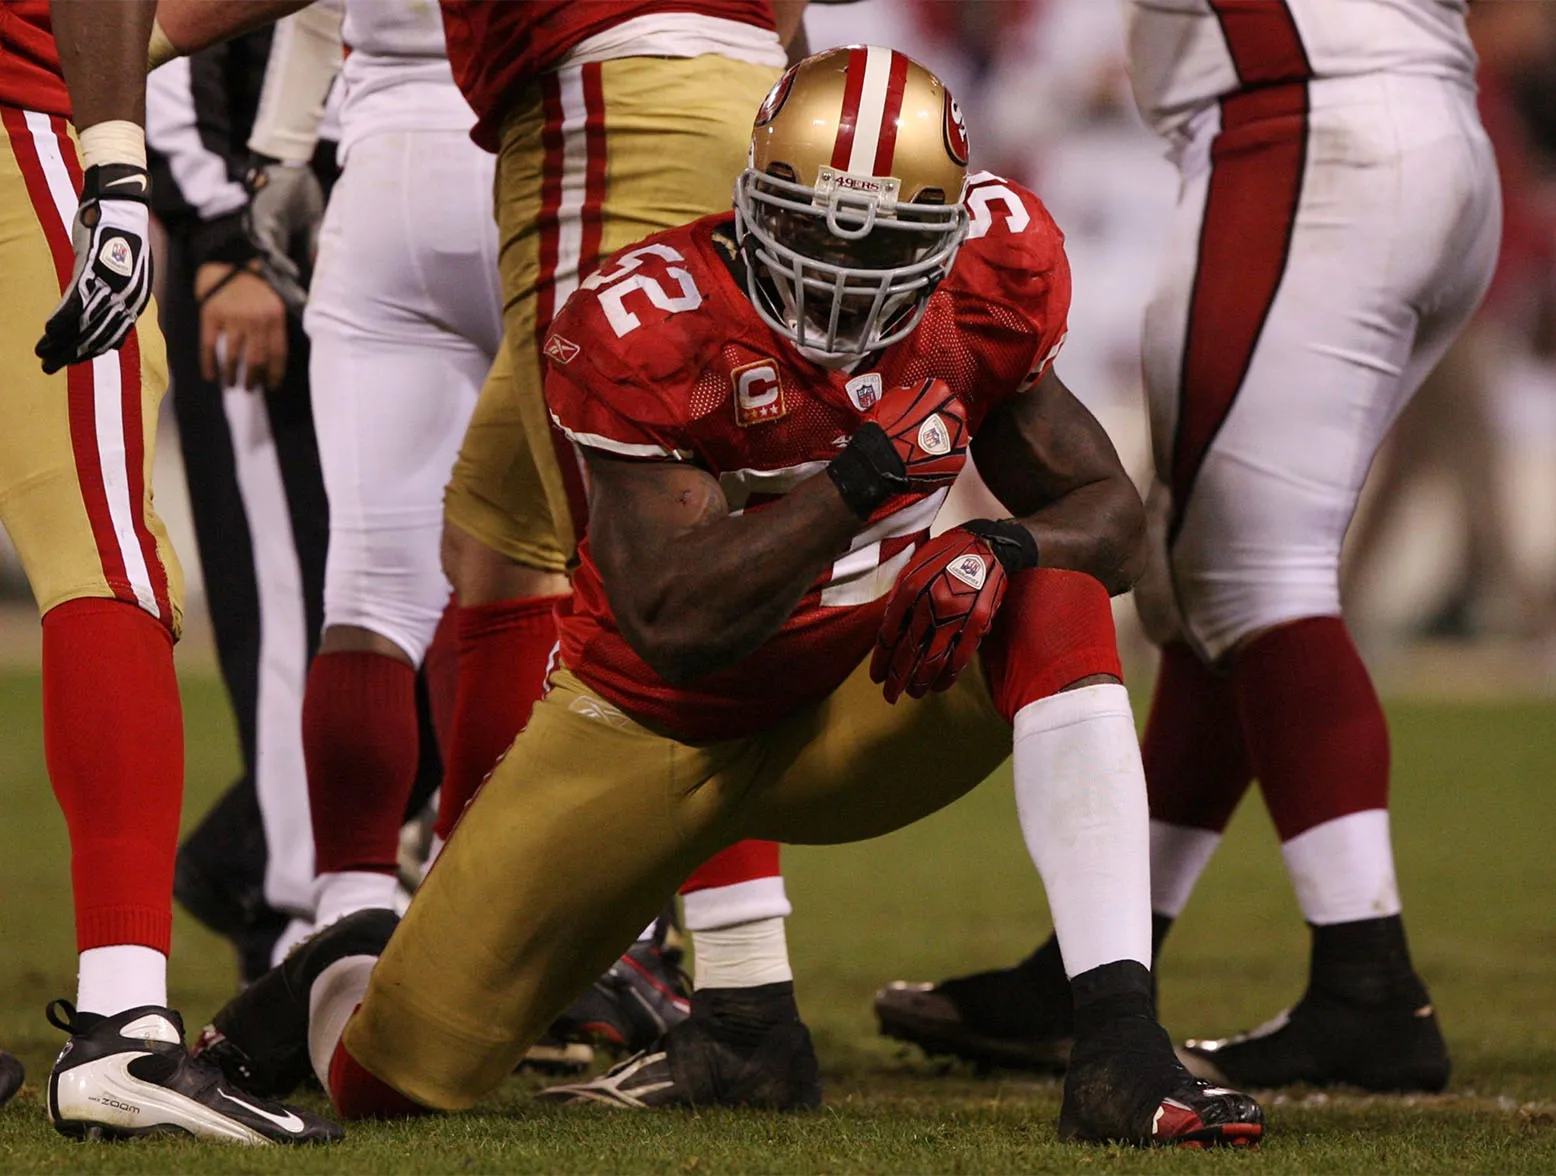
{"x": 336, "y": 895}
{"x": 1080, "y": 794}
{"x": 291, "y": 935}
{"x": 1343, "y": 870}
{"x": 742, "y": 956}
{"x": 1179, "y": 855}
{"x": 125, "y": 976}
{"x": 334, "y": 997}
{"x": 713, "y": 907}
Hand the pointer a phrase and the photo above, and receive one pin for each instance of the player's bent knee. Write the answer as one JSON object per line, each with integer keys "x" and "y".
{"x": 1053, "y": 631}
{"x": 358, "y": 1093}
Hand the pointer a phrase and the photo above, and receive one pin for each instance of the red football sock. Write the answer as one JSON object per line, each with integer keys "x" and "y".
{"x": 1315, "y": 730}
{"x": 1196, "y": 767}
{"x": 745, "y": 861}
{"x": 504, "y": 649}
{"x": 441, "y": 667}
{"x": 360, "y": 745}
{"x": 360, "y": 1094}
{"x": 114, "y": 741}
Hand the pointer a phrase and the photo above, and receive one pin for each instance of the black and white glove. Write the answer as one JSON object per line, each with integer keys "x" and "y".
{"x": 285, "y": 210}
{"x": 111, "y": 283}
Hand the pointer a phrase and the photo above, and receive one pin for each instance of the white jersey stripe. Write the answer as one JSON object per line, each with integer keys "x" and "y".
{"x": 872, "y": 110}
{"x": 107, "y": 387}
{"x": 575, "y": 172}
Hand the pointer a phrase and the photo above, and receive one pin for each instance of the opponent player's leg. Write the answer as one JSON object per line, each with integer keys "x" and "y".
{"x": 75, "y": 475}
{"x": 1266, "y": 484}
{"x": 1050, "y": 676}
{"x": 401, "y": 341}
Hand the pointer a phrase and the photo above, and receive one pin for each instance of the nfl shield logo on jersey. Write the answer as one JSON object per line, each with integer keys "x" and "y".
{"x": 864, "y": 391}
{"x": 970, "y": 570}
{"x": 933, "y": 437}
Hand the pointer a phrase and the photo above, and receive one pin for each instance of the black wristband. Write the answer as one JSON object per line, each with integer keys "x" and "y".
{"x": 1011, "y": 543}
{"x": 868, "y": 471}
{"x": 116, "y": 181}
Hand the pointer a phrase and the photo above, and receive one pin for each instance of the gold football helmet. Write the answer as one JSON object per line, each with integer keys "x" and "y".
{"x": 850, "y": 211}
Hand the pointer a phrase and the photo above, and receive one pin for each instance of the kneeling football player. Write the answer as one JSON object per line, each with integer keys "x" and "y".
{"x": 764, "y": 642}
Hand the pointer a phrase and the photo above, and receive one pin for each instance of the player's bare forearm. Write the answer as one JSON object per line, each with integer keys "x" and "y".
{"x": 1053, "y": 466}
{"x": 693, "y": 587}
{"x": 192, "y": 25}
{"x": 102, "y": 51}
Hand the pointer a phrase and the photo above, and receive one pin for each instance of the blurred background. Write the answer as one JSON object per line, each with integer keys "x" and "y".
{"x": 1451, "y": 564}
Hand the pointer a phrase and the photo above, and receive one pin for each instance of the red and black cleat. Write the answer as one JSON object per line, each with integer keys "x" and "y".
{"x": 1125, "y": 1084}
{"x": 640, "y": 998}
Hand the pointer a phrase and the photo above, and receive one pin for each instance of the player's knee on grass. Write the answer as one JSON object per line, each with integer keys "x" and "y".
{"x": 1054, "y": 629}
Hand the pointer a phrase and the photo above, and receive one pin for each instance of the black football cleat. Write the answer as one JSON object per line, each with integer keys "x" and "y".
{"x": 1017, "y": 1018}
{"x": 130, "y": 1075}
{"x": 1326, "y": 1041}
{"x": 259, "y": 1038}
{"x": 11, "y": 1076}
{"x": 1124, "y": 1083}
{"x": 637, "y": 1001}
{"x": 710, "y": 1059}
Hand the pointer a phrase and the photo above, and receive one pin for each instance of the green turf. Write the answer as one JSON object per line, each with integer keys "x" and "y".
{"x": 1473, "y": 824}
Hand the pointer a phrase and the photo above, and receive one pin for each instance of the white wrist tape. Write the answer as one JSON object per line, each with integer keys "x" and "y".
{"x": 116, "y": 141}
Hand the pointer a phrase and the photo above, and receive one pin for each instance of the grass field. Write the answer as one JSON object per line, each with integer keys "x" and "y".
{"x": 1477, "y": 840}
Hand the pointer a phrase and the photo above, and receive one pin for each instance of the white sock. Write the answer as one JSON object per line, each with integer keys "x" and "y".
{"x": 334, "y": 997}
{"x": 1080, "y": 794}
{"x": 1343, "y": 870}
{"x": 126, "y": 976}
{"x": 742, "y": 956}
{"x": 713, "y": 907}
{"x": 336, "y": 895}
{"x": 291, "y": 935}
{"x": 1179, "y": 855}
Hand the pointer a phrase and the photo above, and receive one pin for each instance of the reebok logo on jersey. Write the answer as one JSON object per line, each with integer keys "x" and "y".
{"x": 933, "y": 437}
{"x": 561, "y": 351}
{"x": 117, "y": 256}
{"x": 970, "y": 570}
{"x": 864, "y": 391}
{"x": 758, "y": 393}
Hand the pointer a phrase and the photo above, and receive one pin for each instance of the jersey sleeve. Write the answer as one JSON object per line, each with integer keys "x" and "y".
{"x": 1012, "y": 285}
{"x": 605, "y": 395}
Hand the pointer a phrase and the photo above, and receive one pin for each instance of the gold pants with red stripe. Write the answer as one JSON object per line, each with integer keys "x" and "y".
{"x": 587, "y": 826}
{"x": 76, "y": 447}
{"x": 594, "y": 158}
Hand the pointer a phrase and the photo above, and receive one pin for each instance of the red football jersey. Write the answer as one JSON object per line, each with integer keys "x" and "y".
{"x": 30, "y": 76}
{"x": 661, "y": 355}
{"x": 497, "y": 47}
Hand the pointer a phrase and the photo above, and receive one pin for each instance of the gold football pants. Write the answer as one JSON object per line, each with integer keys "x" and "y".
{"x": 590, "y": 823}
{"x": 76, "y": 447}
{"x": 594, "y": 158}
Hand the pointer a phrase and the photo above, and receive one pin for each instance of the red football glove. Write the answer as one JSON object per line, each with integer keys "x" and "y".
{"x": 927, "y": 425}
{"x": 915, "y": 441}
{"x": 944, "y": 603}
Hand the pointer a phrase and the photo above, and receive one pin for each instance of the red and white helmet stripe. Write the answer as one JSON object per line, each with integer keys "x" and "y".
{"x": 872, "y": 103}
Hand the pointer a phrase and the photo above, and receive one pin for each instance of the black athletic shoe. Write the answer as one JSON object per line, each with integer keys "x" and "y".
{"x": 11, "y": 1076}
{"x": 639, "y": 999}
{"x": 259, "y": 1038}
{"x": 1326, "y": 1041}
{"x": 129, "y": 1075}
{"x": 716, "y": 1059}
{"x": 1019, "y": 1018}
{"x": 1124, "y": 1083}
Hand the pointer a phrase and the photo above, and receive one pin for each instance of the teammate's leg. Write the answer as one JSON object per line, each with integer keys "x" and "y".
{"x": 75, "y": 497}
{"x": 400, "y": 346}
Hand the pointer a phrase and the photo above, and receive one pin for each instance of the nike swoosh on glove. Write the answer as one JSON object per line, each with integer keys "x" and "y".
{"x": 111, "y": 283}
{"x": 943, "y": 604}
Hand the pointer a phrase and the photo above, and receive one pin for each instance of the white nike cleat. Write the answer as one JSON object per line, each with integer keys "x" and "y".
{"x": 130, "y": 1074}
